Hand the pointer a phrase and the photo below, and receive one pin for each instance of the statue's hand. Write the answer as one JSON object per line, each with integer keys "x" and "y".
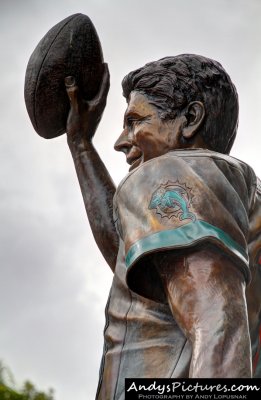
{"x": 84, "y": 116}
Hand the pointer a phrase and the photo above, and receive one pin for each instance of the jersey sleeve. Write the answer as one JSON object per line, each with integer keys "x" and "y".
{"x": 253, "y": 293}
{"x": 254, "y": 239}
{"x": 178, "y": 203}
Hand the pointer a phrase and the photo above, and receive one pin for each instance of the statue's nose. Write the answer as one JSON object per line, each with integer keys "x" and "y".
{"x": 122, "y": 143}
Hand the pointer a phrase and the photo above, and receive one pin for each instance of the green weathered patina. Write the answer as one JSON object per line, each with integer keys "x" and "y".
{"x": 184, "y": 236}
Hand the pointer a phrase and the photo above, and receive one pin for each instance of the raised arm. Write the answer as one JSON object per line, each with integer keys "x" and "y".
{"x": 96, "y": 184}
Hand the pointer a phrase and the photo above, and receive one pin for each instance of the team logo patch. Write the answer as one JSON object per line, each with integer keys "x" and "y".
{"x": 173, "y": 199}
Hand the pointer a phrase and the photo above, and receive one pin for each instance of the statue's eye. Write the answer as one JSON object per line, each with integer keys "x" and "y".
{"x": 131, "y": 122}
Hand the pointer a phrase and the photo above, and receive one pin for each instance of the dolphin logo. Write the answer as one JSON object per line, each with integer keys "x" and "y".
{"x": 173, "y": 199}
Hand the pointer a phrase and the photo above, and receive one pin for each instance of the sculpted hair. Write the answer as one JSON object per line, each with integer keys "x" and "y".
{"x": 171, "y": 83}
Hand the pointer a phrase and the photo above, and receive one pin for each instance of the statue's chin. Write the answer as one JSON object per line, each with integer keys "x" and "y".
{"x": 135, "y": 163}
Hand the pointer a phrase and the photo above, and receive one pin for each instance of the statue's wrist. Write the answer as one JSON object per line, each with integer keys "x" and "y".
{"x": 79, "y": 145}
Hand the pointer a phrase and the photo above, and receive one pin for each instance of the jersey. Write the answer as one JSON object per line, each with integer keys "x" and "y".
{"x": 175, "y": 202}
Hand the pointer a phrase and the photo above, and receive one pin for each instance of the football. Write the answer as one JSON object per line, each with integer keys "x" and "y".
{"x": 70, "y": 48}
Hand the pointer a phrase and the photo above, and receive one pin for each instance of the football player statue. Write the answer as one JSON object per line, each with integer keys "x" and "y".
{"x": 182, "y": 230}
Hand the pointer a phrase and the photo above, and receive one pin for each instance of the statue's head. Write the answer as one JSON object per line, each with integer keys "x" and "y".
{"x": 193, "y": 97}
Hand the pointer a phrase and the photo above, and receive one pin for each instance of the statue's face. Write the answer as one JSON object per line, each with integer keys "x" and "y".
{"x": 145, "y": 135}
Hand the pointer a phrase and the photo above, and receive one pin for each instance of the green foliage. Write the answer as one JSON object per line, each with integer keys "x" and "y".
{"x": 28, "y": 391}
{"x": 8, "y": 394}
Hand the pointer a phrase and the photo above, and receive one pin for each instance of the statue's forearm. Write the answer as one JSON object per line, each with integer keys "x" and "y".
{"x": 97, "y": 190}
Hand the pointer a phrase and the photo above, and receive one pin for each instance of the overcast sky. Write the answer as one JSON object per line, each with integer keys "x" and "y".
{"x": 54, "y": 283}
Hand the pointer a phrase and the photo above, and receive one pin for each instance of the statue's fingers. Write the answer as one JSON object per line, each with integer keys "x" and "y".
{"x": 104, "y": 88}
{"x": 72, "y": 92}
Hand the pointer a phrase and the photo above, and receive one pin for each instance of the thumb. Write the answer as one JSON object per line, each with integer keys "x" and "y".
{"x": 72, "y": 92}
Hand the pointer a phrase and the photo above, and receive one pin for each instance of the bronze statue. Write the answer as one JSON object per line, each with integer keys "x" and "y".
{"x": 181, "y": 232}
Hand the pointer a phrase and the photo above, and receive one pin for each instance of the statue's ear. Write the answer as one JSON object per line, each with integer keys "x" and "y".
{"x": 194, "y": 113}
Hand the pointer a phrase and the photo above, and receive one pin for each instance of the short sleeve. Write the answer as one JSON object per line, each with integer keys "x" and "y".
{"x": 253, "y": 293}
{"x": 254, "y": 239}
{"x": 179, "y": 202}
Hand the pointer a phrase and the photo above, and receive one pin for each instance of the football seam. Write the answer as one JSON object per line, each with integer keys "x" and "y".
{"x": 37, "y": 78}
